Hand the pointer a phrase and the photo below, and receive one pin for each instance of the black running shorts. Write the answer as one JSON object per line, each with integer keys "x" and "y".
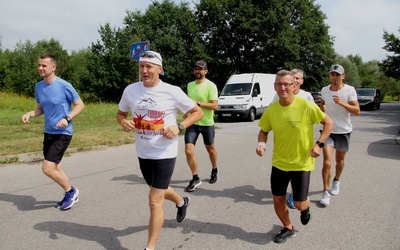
{"x": 300, "y": 181}
{"x": 54, "y": 146}
{"x": 157, "y": 172}
{"x": 192, "y": 133}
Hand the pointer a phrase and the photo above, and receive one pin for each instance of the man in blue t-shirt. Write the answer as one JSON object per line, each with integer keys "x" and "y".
{"x": 54, "y": 97}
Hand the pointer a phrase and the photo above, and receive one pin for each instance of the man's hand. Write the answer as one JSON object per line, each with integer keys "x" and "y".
{"x": 127, "y": 125}
{"x": 171, "y": 132}
{"x": 315, "y": 151}
{"x": 260, "y": 150}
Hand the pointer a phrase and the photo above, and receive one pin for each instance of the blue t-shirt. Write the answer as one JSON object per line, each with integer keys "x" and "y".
{"x": 56, "y": 99}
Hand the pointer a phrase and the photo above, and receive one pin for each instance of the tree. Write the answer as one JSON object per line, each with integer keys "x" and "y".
{"x": 23, "y": 62}
{"x": 265, "y": 36}
{"x": 351, "y": 70}
{"x": 173, "y": 31}
{"x": 4, "y": 69}
{"x": 391, "y": 65}
{"x": 109, "y": 64}
{"x": 77, "y": 73}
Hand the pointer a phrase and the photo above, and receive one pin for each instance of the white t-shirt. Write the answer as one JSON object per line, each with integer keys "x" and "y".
{"x": 339, "y": 115}
{"x": 154, "y": 109}
{"x": 306, "y": 95}
{"x": 303, "y": 94}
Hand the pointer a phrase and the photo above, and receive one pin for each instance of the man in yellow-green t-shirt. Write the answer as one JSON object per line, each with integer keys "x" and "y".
{"x": 205, "y": 94}
{"x": 291, "y": 119}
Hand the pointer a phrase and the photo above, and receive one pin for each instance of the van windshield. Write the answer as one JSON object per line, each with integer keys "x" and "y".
{"x": 365, "y": 92}
{"x": 236, "y": 89}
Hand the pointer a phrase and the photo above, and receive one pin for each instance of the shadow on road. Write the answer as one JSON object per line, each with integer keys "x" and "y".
{"x": 246, "y": 193}
{"x": 386, "y": 148}
{"x": 105, "y": 236}
{"x": 229, "y": 232}
{"x": 25, "y": 202}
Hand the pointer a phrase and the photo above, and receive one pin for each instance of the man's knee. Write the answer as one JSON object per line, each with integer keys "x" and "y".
{"x": 189, "y": 150}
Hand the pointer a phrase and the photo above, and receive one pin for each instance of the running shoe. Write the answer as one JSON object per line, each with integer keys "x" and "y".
{"x": 181, "y": 214}
{"x": 290, "y": 202}
{"x": 335, "y": 187}
{"x": 285, "y": 233}
{"x": 214, "y": 177}
{"x": 305, "y": 216}
{"x": 325, "y": 198}
{"x": 193, "y": 184}
{"x": 70, "y": 199}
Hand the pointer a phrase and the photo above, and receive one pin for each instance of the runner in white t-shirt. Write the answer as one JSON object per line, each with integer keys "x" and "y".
{"x": 339, "y": 100}
{"x": 153, "y": 105}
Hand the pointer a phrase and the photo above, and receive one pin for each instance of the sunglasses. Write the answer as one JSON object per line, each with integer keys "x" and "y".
{"x": 150, "y": 55}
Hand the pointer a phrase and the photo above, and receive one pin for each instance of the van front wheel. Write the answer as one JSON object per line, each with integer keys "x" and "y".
{"x": 252, "y": 115}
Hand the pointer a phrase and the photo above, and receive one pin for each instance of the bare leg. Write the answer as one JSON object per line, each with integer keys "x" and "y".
{"x": 56, "y": 173}
{"x": 156, "y": 203}
{"x": 327, "y": 164}
{"x": 339, "y": 163}
{"x": 173, "y": 196}
{"x": 191, "y": 158}
{"x": 302, "y": 205}
{"x": 282, "y": 210}
{"x": 212, "y": 152}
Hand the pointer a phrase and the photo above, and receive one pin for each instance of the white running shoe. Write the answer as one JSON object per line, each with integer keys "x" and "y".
{"x": 335, "y": 188}
{"x": 325, "y": 198}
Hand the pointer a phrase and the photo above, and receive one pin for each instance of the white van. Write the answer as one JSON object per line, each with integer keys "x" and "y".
{"x": 245, "y": 96}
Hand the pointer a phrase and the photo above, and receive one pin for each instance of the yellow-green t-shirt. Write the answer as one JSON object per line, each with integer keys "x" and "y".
{"x": 204, "y": 92}
{"x": 293, "y": 133}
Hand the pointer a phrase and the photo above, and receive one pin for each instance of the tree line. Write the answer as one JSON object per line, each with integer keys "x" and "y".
{"x": 233, "y": 36}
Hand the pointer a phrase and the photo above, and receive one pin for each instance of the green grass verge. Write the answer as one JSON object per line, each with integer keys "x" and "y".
{"x": 95, "y": 126}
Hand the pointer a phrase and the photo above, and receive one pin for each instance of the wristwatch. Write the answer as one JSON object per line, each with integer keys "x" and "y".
{"x": 198, "y": 104}
{"x": 68, "y": 119}
{"x": 181, "y": 127}
{"x": 320, "y": 144}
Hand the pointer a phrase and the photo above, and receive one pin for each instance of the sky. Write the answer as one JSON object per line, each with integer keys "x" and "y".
{"x": 356, "y": 25}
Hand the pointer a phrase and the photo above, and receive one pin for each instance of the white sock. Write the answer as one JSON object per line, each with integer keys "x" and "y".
{"x": 182, "y": 203}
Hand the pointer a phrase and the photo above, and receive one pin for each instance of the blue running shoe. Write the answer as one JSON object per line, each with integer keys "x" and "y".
{"x": 59, "y": 204}
{"x": 289, "y": 202}
{"x": 70, "y": 199}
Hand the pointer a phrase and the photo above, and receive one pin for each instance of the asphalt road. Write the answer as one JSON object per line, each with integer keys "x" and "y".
{"x": 234, "y": 213}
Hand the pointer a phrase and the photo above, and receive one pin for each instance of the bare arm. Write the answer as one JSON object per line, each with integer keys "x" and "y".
{"x": 195, "y": 114}
{"x": 327, "y": 123}
{"x": 77, "y": 109}
{"x": 213, "y": 105}
{"x": 262, "y": 140}
{"x": 36, "y": 112}
{"x": 352, "y": 107}
{"x": 122, "y": 119}
{"x": 78, "y": 106}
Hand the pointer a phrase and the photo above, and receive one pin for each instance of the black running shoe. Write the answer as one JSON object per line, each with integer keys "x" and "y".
{"x": 193, "y": 184}
{"x": 214, "y": 177}
{"x": 284, "y": 234}
{"x": 305, "y": 216}
{"x": 181, "y": 214}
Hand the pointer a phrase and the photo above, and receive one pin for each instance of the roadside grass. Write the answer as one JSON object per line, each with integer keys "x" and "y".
{"x": 95, "y": 126}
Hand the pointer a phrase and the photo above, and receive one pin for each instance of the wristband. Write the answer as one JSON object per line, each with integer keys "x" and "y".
{"x": 68, "y": 119}
{"x": 262, "y": 143}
